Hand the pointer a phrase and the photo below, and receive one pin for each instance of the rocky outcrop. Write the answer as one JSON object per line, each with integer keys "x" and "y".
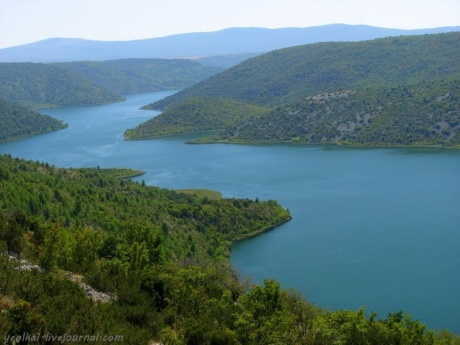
{"x": 95, "y": 295}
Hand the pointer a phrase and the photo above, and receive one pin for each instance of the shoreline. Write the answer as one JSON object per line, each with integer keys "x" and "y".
{"x": 59, "y": 106}
{"x": 65, "y": 126}
{"x": 338, "y": 145}
{"x": 125, "y": 138}
{"x": 281, "y": 142}
{"x": 257, "y": 233}
{"x": 135, "y": 173}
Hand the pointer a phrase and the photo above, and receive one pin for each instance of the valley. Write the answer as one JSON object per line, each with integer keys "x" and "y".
{"x": 336, "y": 222}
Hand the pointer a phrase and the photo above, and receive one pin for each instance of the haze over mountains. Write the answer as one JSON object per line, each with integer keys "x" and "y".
{"x": 224, "y": 42}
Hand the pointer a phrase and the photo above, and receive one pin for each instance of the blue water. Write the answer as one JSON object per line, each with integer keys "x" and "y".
{"x": 378, "y": 228}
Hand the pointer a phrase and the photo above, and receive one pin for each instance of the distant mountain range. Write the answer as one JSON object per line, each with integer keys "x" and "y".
{"x": 225, "y": 42}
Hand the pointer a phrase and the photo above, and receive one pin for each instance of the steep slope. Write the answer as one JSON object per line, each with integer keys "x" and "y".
{"x": 46, "y": 86}
{"x": 297, "y": 72}
{"x": 18, "y": 122}
{"x": 224, "y": 42}
{"x": 425, "y": 114}
{"x": 196, "y": 115}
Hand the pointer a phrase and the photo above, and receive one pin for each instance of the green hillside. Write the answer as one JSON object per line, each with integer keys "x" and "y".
{"x": 46, "y": 86}
{"x": 392, "y": 91}
{"x": 141, "y": 75}
{"x": 196, "y": 115}
{"x": 72, "y": 84}
{"x": 294, "y": 73}
{"x": 19, "y": 122}
{"x": 427, "y": 113}
{"x": 103, "y": 201}
{"x": 159, "y": 259}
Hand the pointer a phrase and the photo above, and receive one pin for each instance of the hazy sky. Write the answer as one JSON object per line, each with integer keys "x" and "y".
{"x": 25, "y": 21}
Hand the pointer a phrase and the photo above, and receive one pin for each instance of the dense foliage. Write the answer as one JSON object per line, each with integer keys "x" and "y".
{"x": 89, "y": 83}
{"x": 94, "y": 199}
{"x": 19, "y": 122}
{"x": 45, "y": 86}
{"x": 423, "y": 114}
{"x": 162, "y": 256}
{"x": 298, "y": 72}
{"x": 141, "y": 75}
{"x": 196, "y": 115}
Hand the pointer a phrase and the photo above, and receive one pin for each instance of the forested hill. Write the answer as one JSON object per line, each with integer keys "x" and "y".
{"x": 426, "y": 114}
{"x": 393, "y": 91}
{"x": 90, "y": 83}
{"x": 162, "y": 260}
{"x": 45, "y": 86}
{"x": 196, "y": 115}
{"x": 102, "y": 202}
{"x": 302, "y": 71}
{"x": 18, "y": 122}
{"x": 141, "y": 75}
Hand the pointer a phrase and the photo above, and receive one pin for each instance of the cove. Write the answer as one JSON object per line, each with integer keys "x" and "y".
{"x": 378, "y": 228}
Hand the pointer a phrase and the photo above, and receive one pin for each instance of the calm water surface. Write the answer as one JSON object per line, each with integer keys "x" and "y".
{"x": 378, "y": 228}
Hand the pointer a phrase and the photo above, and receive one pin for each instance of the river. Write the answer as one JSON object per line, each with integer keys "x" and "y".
{"x": 378, "y": 228}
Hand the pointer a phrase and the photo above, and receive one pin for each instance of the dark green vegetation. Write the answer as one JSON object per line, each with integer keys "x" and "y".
{"x": 163, "y": 257}
{"x": 141, "y": 75}
{"x": 424, "y": 114}
{"x": 45, "y": 86}
{"x": 90, "y": 83}
{"x": 104, "y": 201}
{"x": 18, "y": 122}
{"x": 392, "y": 91}
{"x": 195, "y": 115}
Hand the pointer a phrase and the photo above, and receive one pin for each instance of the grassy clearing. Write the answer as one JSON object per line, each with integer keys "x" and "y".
{"x": 210, "y": 194}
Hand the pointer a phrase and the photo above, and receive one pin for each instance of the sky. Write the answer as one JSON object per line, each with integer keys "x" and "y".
{"x": 26, "y": 21}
